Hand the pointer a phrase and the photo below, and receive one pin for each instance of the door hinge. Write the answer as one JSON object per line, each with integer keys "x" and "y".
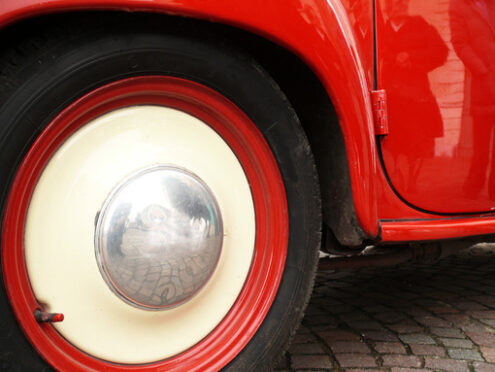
{"x": 380, "y": 114}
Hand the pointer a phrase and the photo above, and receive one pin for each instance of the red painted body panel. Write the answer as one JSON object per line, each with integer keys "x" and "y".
{"x": 399, "y": 231}
{"x": 360, "y": 14}
{"x": 436, "y": 63}
{"x": 318, "y": 31}
{"x": 335, "y": 39}
{"x": 390, "y": 207}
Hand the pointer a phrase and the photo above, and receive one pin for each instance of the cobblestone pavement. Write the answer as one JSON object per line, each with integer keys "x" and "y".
{"x": 438, "y": 317}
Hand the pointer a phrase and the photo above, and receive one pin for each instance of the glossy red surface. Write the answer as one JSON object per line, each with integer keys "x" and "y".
{"x": 379, "y": 104}
{"x": 435, "y": 60}
{"x": 360, "y": 15}
{"x": 391, "y": 207}
{"x": 262, "y": 172}
{"x": 404, "y": 231}
{"x": 322, "y": 33}
{"x": 436, "y": 160}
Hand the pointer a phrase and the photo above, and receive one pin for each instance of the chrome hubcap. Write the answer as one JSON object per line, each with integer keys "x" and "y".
{"x": 159, "y": 237}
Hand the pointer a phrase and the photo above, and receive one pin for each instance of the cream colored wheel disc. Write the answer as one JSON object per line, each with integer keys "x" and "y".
{"x": 60, "y": 232}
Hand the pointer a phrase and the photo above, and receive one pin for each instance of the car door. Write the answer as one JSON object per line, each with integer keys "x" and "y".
{"x": 436, "y": 61}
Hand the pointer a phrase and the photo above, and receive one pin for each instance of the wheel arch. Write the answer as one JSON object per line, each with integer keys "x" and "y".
{"x": 333, "y": 108}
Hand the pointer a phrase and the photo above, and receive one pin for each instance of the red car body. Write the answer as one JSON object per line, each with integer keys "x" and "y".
{"x": 435, "y": 178}
{"x": 421, "y": 170}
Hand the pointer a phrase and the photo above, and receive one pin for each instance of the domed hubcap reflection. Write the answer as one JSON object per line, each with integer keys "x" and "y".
{"x": 159, "y": 237}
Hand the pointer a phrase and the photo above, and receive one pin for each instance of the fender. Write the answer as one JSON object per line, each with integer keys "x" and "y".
{"x": 317, "y": 31}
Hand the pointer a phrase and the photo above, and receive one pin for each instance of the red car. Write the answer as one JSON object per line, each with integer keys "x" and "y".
{"x": 169, "y": 168}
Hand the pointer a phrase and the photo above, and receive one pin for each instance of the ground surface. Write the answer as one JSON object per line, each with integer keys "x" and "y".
{"x": 437, "y": 317}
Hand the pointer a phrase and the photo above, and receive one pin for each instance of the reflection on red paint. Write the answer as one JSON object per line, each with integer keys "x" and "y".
{"x": 438, "y": 153}
{"x": 473, "y": 38}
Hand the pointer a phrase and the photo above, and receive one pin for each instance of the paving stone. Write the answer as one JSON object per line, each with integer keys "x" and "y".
{"x": 365, "y": 325}
{"x": 482, "y": 298}
{"x": 340, "y": 309}
{"x": 389, "y": 317}
{"x": 465, "y": 354}
{"x": 431, "y": 350}
{"x": 443, "y": 310}
{"x": 303, "y": 338}
{"x": 356, "y": 315}
{"x": 484, "y": 339}
{"x": 488, "y": 353}
{"x": 349, "y": 347}
{"x": 310, "y": 361}
{"x": 374, "y": 309}
{"x": 401, "y": 361}
{"x": 390, "y": 348}
{"x": 321, "y": 327}
{"x": 446, "y": 364}
{"x": 457, "y": 319}
{"x": 490, "y": 322}
{"x": 380, "y": 336}
{"x": 339, "y": 335}
{"x": 447, "y": 332}
{"x": 476, "y": 327}
{"x": 417, "y": 338}
{"x": 355, "y": 360}
{"x": 470, "y": 305}
{"x": 417, "y": 312}
{"x": 399, "y": 369}
{"x": 396, "y": 302}
{"x": 483, "y": 367}
{"x": 489, "y": 314}
{"x": 405, "y": 328}
{"x": 427, "y": 302}
{"x": 317, "y": 319}
{"x": 457, "y": 343}
{"x": 432, "y": 321}
{"x": 445, "y": 295}
{"x": 312, "y": 348}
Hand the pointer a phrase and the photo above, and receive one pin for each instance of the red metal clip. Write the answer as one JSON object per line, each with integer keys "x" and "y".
{"x": 44, "y": 317}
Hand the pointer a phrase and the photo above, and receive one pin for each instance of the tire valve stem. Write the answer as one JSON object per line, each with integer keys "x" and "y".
{"x": 44, "y": 317}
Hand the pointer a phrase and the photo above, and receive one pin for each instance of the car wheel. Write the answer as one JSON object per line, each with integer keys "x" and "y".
{"x": 160, "y": 193}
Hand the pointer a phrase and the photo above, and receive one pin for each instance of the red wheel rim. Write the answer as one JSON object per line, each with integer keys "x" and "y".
{"x": 238, "y": 131}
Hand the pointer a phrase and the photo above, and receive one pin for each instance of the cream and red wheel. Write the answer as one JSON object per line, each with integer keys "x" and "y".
{"x": 161, "y": 196}
{"x": 68, "y": 175}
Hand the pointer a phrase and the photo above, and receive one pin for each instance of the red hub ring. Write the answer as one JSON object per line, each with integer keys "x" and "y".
{"x": 248, "y": 144}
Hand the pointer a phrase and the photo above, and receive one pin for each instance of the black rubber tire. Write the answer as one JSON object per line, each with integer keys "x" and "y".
{"x": 43, "y": 76}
